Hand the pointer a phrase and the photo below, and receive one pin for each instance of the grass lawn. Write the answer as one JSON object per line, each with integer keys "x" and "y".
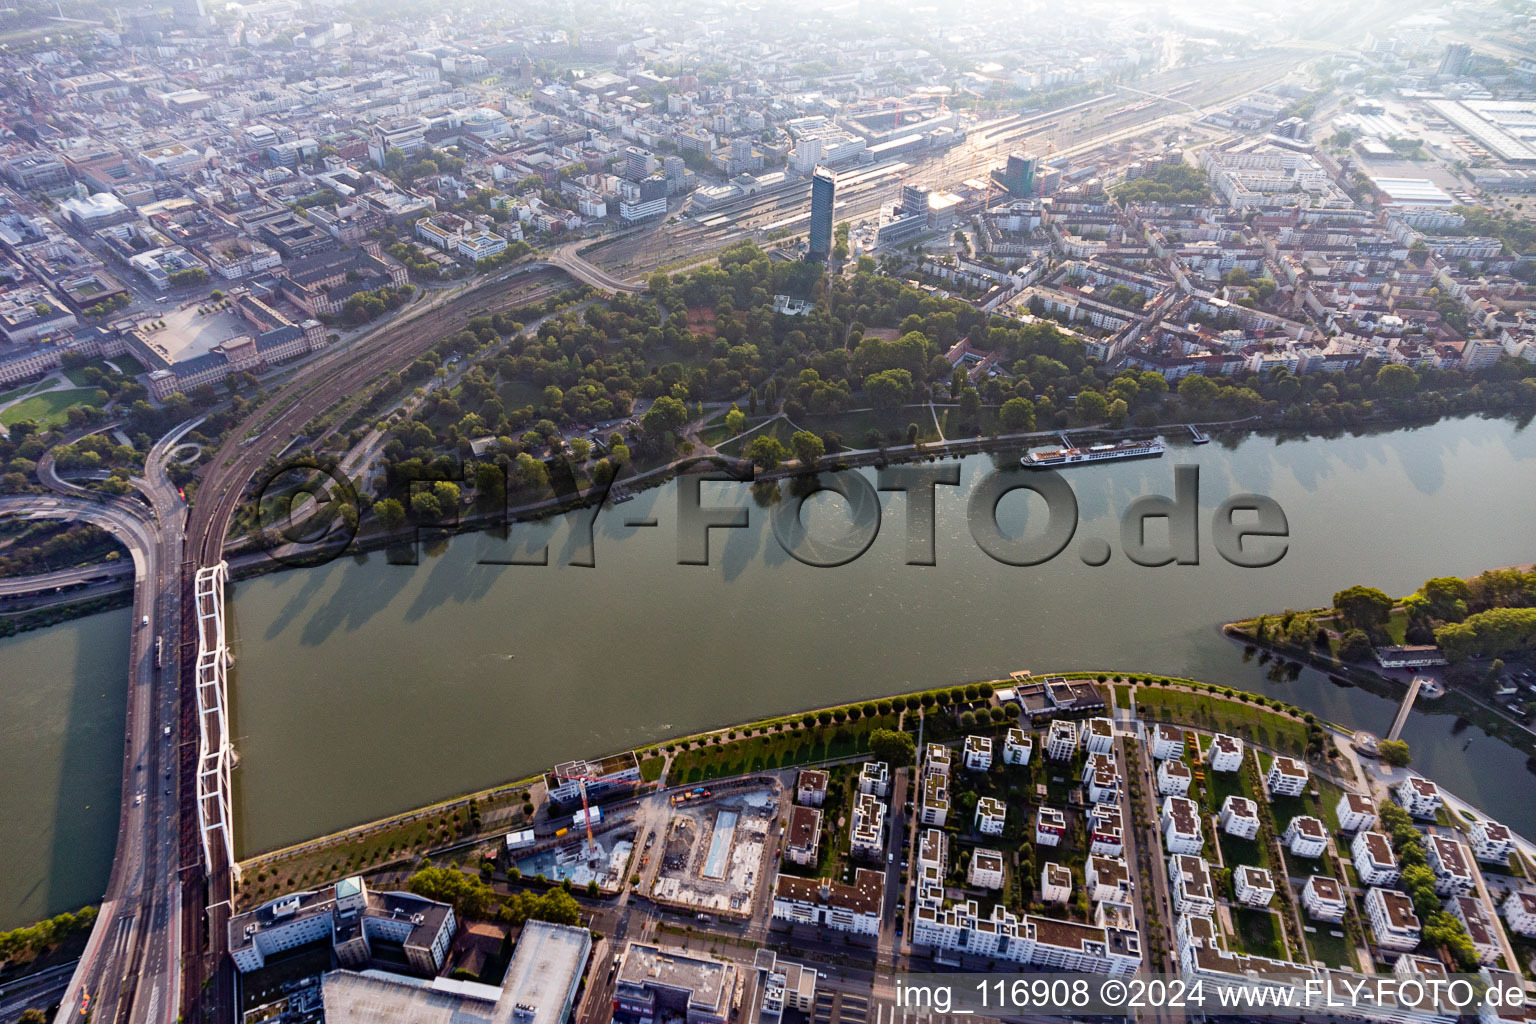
{"x": 853, "y": 426}
{"x": 128, "y": 364}
{"x": 1333, "y": 950}
{"x": 77, "y": 376}
{"x": 26, "y": 389}
{"x": 778, "y": 428}
{"x": 1258, "y": 933}
{"x": 776, "y": 750}
{"x": 1249, "y": 721}
{"x": 989, "y": 424}
{"x": 47, "y": 408}
{"x": 650, "y": 768}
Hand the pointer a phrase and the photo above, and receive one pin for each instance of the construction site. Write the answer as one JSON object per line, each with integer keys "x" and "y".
{"x": 599, "y": 855}
{"x": 715, "y": 847}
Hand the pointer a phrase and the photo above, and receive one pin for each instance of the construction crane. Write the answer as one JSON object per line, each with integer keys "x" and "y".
{"x": 586, "y": 808}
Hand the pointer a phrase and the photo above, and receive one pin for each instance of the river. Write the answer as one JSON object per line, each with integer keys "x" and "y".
{"x": 362, "y": 687}
{"x": 63, "y": 709}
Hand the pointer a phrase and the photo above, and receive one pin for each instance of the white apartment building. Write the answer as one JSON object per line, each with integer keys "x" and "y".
{"x": 1181, "y": 825}
{"x": 1253, "y": 886}
{"x": 1039, "y": 941}
{"x": 1355, "y": 812}
{"x": 1323, "y": 898}
{"x": 977, "y": 753}
{"x": 986, "y": 869}
{"x": 1099, "y": 736}
{"x": 850, "y": 908}
{"x": 875, "y": 779}
{"x": 1481, "y": 927}
{"x": 1392, "y": 919}
{"x": 1190, "y": 879}
{"x": 803, "y": 836}
{"x": 1055, "y": 883}
{"x": 1239, "y": 817}
{"x": 1060, "y": 740}
{"x": 1491, "y": 842}
{"x": 1050, "y": 826}
{"x": 991, "y": 813}
{"x": 1167, "y": 741}
{"x": 935, "y": 800}
{"x": 868, "y": 827}
{"x": 1225, "y": 753}
{"x": 1519, "y": 910}
{"x": 1374, "y": 861}
{"x": 1454, "y": 875}
{"x": 1106, "y": 831}
{"x": 1286, "y": 777}
{"x": 1419, "y": 797}
{"x": 811, "y": 787}
{"x": 1173, "y": 778}
{"x": 1306, "y": 836}
{"x": 1017, "y": 747}
{"x": 1102, "y": 777}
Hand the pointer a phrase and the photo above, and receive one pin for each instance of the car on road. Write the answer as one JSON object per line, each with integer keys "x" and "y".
{"x": 144, "y": 620}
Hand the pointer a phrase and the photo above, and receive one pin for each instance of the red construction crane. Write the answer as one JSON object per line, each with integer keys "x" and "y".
{"x": 586, "y": 810}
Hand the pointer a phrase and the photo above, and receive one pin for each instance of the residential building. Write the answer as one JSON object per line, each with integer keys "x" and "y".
{"x": 991, "y": 813}
{"x": 1454, "y": 874}
{"x": 1017, "y": 747}
{"x": 976, "y": 754}
{"x": 1050, "y": 826}
{"x": 1189, "y": 878}
{"x": 1059, "y": 696}
{"x": 1181, "y": 825}
{"x": 1239, "y": 817}
{"x": 1167, "y": 742}
{"x": 985, "y": 870}
{"x": 868, "y": 827}
{"x": 1355, "y": 812}
{"x": 1306, "y": 836}
{"x": 846, "y": 907}
{"x": 1225, "y": 753}
{"x": 1060, "y": 740}
{"x": 1482, "y": 928}
{"x": 653, "y": 983}
{"x": 934, "y": 807}
{"x": 1173, "y": 777}
{"x": 1392, "y": 919}
{"x": 1491, "y": 842}
{"x": 1375, "y": 863}
{"x": 481, "y": 245}
{"x": 1106, "y": 831}
{"x": 1286, "y": 777}
{"x": 1108, "y": 878}
{"x": 803, "y": 836}
{"x": 811, "y": 787}
{"x": 1519, "y": 910}
{"x": 823, "y": 192}
{"x": 1038, "y": 941}
{"x": 875, "y": 779}
{"x": 1253, "y": 886}
{"x": 1055, "y": 883}
{"x": 1323, "y": 898}
{"x": 784, "y": 986}
{"x": 351, "y": 918}
{"x": 1419, "y": 797}
{"x": 1102, "y": 777}
{"x": 1099, "y": 736}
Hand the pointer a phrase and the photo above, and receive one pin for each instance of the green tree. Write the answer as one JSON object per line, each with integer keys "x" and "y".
{"x": 390, "y": 512}
{"x": 889, "y": 389}
{"x": 897, "y": 749}
{"x": 1354, "y": 645}
{"x": 1395, "y": 753}
{"x": 735, "y": 421}
{"x": 808, "y": 448}
{"x": 1091, "y": 407}
{"x": 1363, "y": 607}
{"x": 1397, "y": 380}
{"x": 766, "y": 451}
{"x": 1018, "y": 415}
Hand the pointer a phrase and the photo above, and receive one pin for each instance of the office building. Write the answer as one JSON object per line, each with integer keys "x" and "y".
{"x": 823, "y": 192}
